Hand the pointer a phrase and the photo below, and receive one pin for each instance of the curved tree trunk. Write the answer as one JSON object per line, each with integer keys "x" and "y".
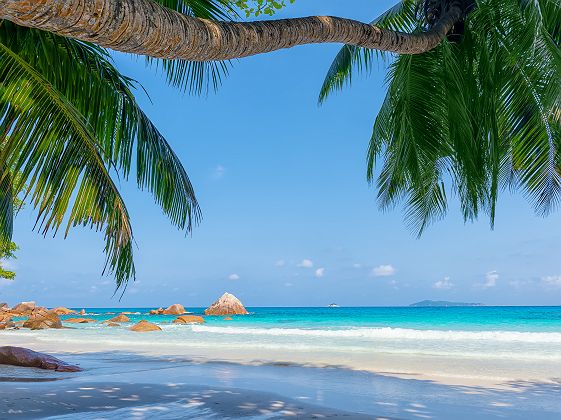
{"x": 144, "y": 27}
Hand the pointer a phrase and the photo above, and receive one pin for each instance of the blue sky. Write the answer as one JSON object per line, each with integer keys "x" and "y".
{"x": 288, "y": 217}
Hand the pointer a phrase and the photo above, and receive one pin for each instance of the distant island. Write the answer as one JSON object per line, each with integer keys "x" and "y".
{"x": 441, "y": 303}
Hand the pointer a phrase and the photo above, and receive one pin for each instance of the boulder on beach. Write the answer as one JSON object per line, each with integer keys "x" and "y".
{"x": 40, "y": 320}
{"x": 79, "y": 320}
{"x": 61, "y": 310}
{"x": 6, "y": 321}
{"x": 228, "y": 304}
{"x": 7, "y": 324}
{"x": 113, "y": 324}
{"x": 175, "y": 309}
{"x": 19, "y": 356}
{"x": 4, "y": 306}
{"x": 4, "y": 317}
{"x": 189, "y": 319}
{"x": 119, "y": 318}
{"x": 144, "y": 326}
{"x": 23, "y": 308}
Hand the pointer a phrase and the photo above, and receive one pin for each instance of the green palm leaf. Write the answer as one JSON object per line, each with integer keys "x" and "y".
{"x": 471, "y": 118}
{"x": 56, "y": 152}
{"x": 401, "y": 17}
{"x": 474, "y": 117}
{"x": 100, "y": 92}
{"x": 188, "y": 76}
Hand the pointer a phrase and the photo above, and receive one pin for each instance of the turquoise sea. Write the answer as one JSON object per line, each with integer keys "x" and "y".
{"x": 476, "y": 318}
{"x": 493, "y": 342}
{"x": 395, "y": 362}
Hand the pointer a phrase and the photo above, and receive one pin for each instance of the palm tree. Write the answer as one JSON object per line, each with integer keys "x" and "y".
{"x": 69, "y": 123}
{"x": 470, "y": 102}
{"x": 149, "y": 28}
{"x": 478, "y": 114}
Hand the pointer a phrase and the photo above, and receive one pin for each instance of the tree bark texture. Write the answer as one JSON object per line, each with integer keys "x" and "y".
{"x": 147, "y": 28}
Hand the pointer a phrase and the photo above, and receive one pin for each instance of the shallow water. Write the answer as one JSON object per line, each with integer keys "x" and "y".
{"x": 474, "y": 343}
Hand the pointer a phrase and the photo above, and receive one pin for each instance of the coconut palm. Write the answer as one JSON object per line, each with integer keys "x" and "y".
{"x": 476, "y": 115}
{"x": 470, "y": 102}
{"x": 70, "y": 123}
{"x": 149, "y": 28}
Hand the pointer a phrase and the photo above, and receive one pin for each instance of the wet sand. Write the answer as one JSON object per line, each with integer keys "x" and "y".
{"x": 125, "y": 385}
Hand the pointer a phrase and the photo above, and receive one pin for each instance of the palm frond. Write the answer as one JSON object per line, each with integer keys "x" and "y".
{"x": 86, "y": 76}
{"x": 6, "y": 205}
{"x": 195, "y": 77}
{"x": 55, "y": 150}
{"x": 400, "y": 17}
{"x": 474, "y": 117}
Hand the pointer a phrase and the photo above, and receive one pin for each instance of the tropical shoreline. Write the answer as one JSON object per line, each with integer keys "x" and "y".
{"x": 453, "y": 346}
{"x": 120, "y": 384}
{"x": 441, "y": 363}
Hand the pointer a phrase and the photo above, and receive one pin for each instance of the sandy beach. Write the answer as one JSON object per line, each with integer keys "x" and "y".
{"x": 266, "y": 209}
{"x": 293, "y": 363}
{"x": 127, "y": 385}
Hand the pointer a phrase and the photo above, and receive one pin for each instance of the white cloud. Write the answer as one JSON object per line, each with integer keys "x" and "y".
{"x": 491, "y": 279}
{"x": 218, "y": 172}
{"x": 554, "y": 281}
{"x": 383, "y": 271}
{"x": 305, "y": 263}
{"x": 280, "y": 263}
{"x": 320, "y": 272}
{"x": 356, "y": 265}
{"x": 233, "y": 276}
{"x": 444, "y": 284}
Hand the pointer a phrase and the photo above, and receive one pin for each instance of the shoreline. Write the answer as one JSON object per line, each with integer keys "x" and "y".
{"x": 310, "y": 363}
{"x": 124, "y": 385}
{"x": 492, "y": 373}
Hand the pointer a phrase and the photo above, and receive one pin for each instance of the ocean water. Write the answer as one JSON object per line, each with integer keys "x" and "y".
{"x": 493, "y": 342}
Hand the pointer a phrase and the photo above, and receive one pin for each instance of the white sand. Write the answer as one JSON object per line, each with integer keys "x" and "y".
{"x": 123, "y": 385}
{"x": 488, "y": 372}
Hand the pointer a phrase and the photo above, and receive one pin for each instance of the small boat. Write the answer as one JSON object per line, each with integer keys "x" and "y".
{"x": 332, "y": 305}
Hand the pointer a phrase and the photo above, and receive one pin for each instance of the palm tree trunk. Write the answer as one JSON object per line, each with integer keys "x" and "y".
{"x": 144, "y": 27}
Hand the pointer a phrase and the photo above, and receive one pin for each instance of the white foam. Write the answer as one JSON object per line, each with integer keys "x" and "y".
{"x": 391, "y": 334}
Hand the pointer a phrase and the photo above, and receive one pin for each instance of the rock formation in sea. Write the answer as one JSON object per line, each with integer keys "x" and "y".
{"x": 83, "y": 312}
{"x": 23, "y": 308}
{"x": 19, "y": 356}
{"x": 144, "y": 326}
{"x": 61, "y": 310}
{"x": 227, "y": 304}
{"x": 119, "y": 318}
{"x": 6, "y": 321}
{"x": 42, "y": 319}
{"x": 189, "y": 319}
{"x": 80, "y": 320}
{"x": 175, "y": 309}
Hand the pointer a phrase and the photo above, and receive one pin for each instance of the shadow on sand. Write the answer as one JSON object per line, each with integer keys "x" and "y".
{"x": 121, "y": 385}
